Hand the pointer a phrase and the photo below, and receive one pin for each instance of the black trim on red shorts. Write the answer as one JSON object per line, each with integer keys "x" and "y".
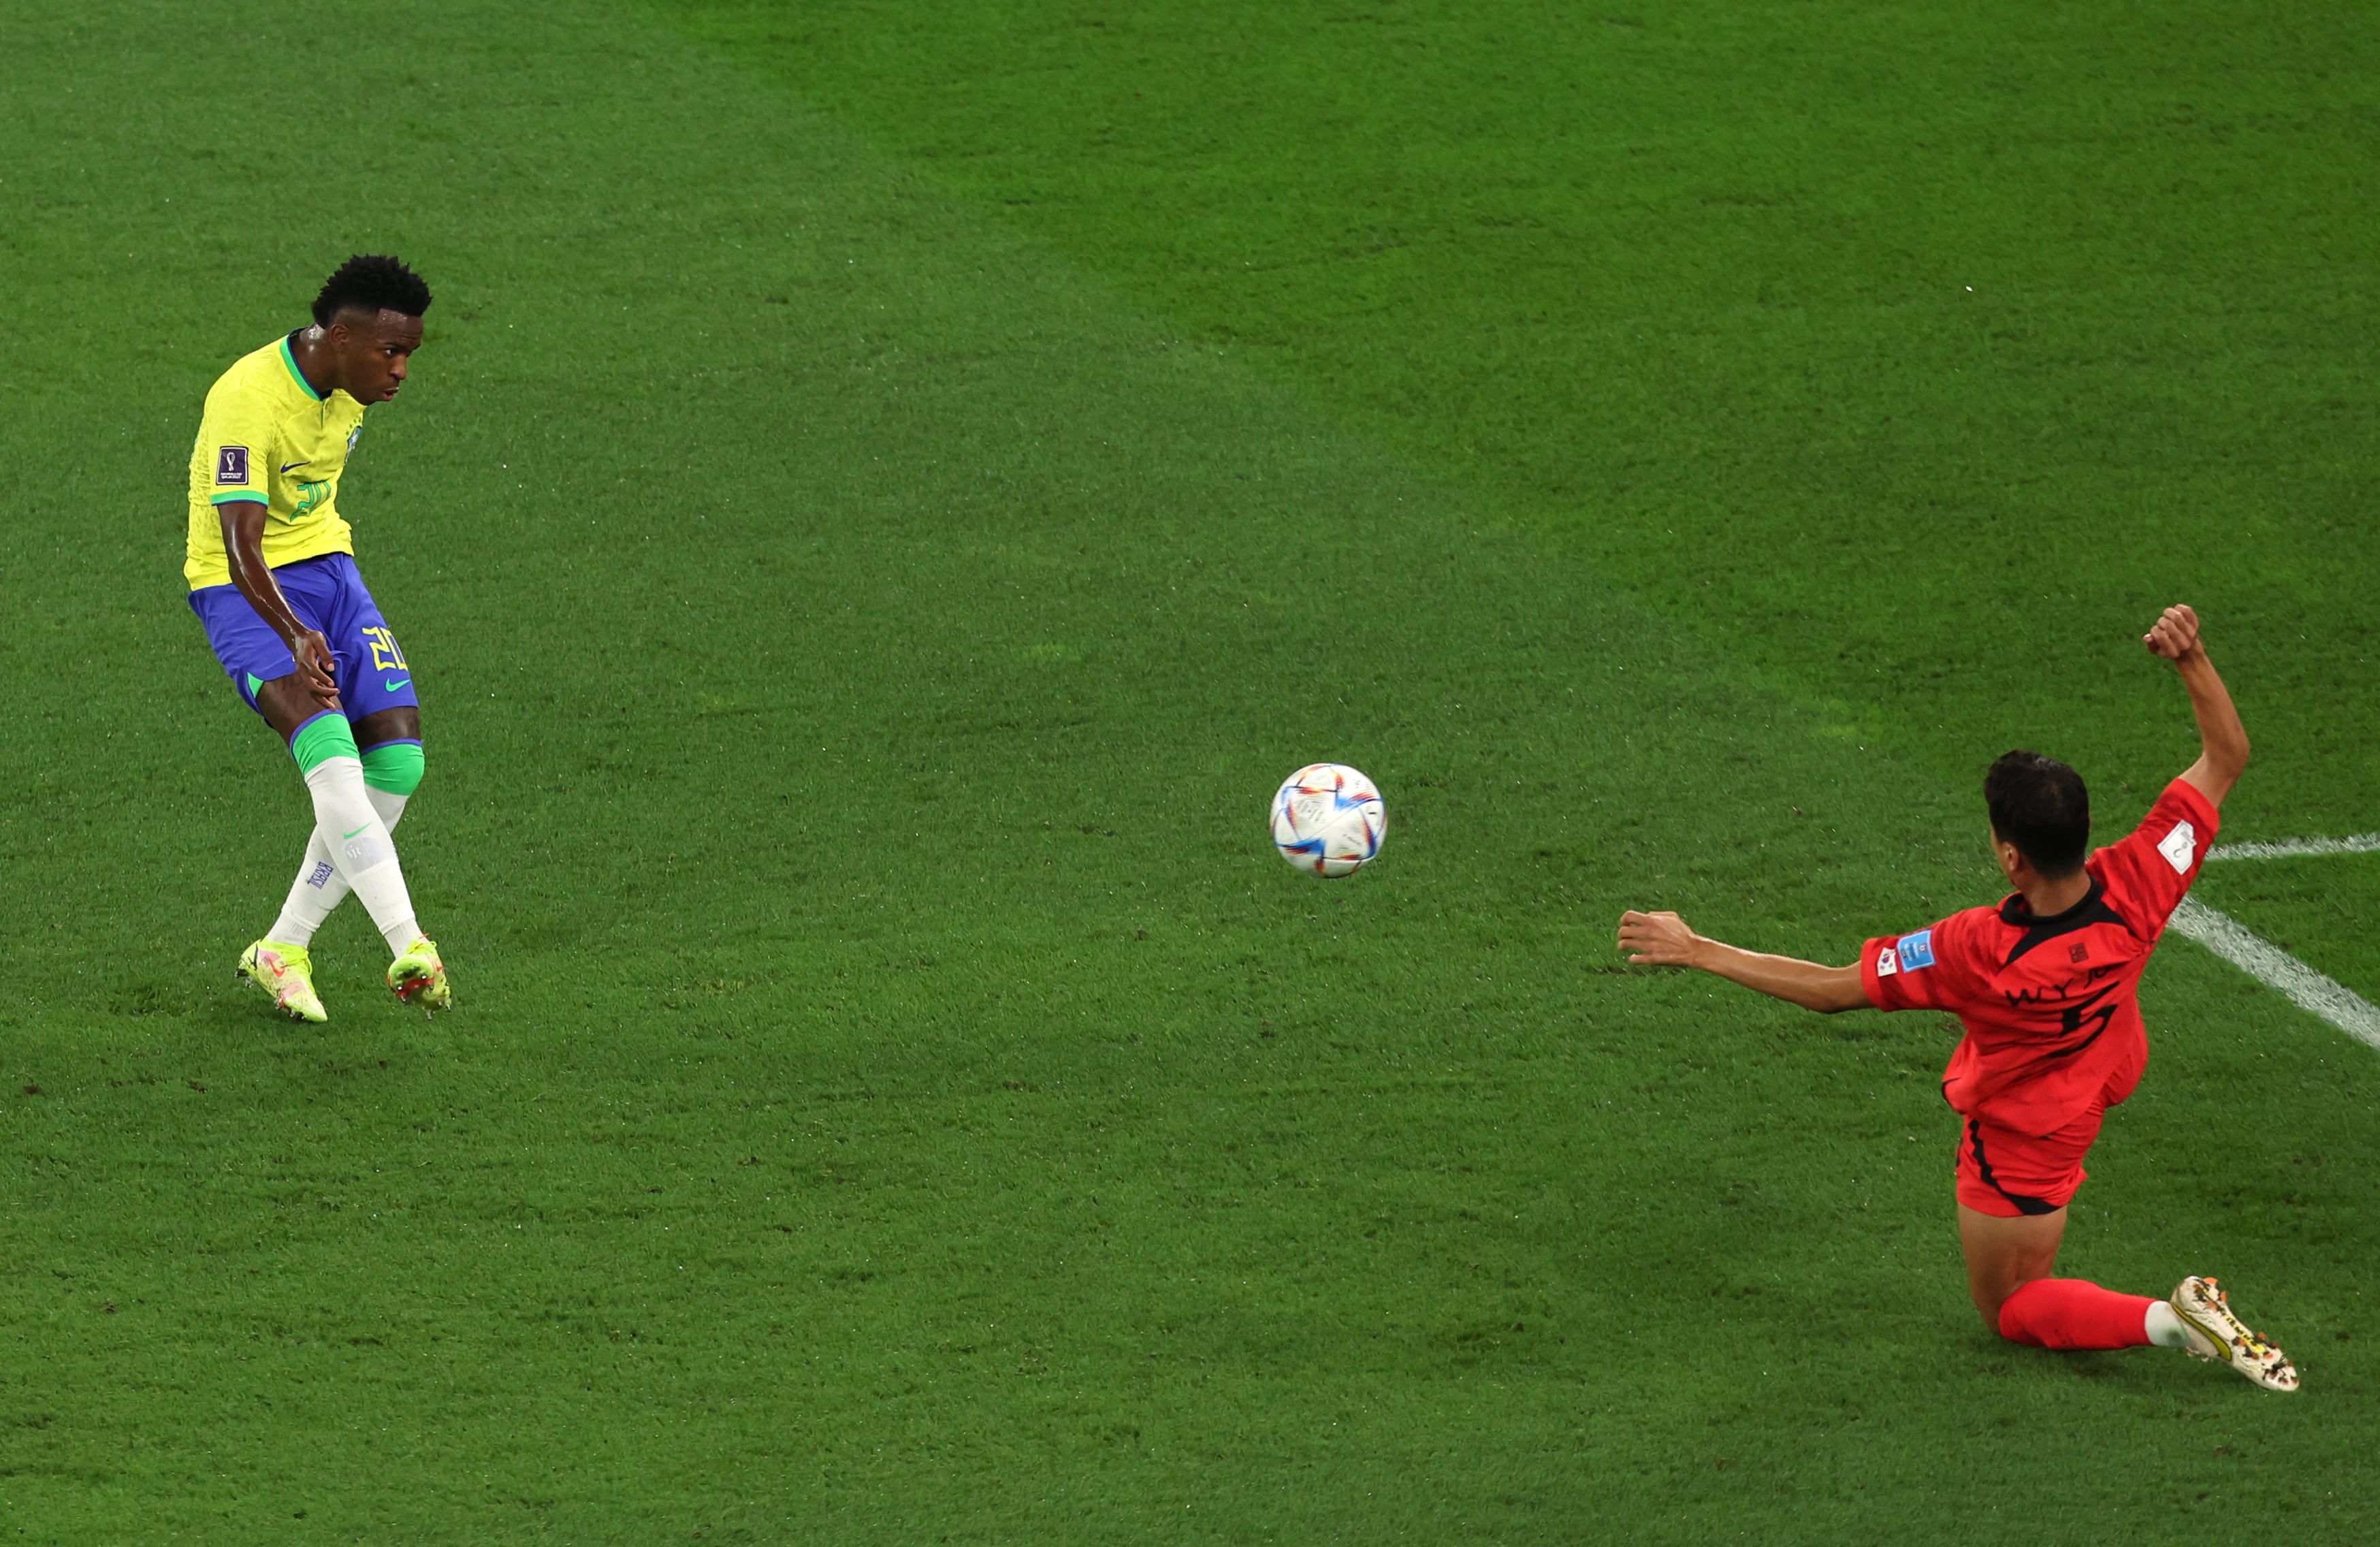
{"x": 1984, "y": 1168}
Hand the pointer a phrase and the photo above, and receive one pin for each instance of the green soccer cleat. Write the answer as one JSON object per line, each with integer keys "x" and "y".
{"x": 285, "y": 973}
{"x": 419, "y": 978}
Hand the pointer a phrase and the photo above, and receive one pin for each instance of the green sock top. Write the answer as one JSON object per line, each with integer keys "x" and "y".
{"x": 393, "y": 766}
{"x": 325, "y": 736}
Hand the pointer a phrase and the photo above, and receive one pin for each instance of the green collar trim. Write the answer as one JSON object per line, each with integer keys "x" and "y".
{"x": 297, "y": 375}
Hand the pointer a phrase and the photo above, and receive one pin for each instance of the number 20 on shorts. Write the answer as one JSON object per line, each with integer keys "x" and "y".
{"x": 385, "y": 655}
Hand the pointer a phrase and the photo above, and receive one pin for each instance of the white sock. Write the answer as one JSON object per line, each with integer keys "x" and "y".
{"x": 357, "y": 844}
{"x": 2165, "y": 1328}
{"x": 318, "y": 888}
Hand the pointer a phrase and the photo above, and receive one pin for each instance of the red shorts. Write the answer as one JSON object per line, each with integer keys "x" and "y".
{"x": 2006, "y": 1172}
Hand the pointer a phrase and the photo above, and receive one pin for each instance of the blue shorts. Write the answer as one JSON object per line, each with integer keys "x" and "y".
{"x": 327, "y": 594}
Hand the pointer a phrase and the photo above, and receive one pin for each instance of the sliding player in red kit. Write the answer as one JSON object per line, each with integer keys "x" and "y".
{"x": 2046, "y": 984}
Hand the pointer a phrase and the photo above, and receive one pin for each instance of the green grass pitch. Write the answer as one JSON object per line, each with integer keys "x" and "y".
{"x": 887, "y": 492}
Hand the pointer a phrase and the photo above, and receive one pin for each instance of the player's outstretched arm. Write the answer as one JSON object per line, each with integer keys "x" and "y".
{"x": 1664, "y": 940}
{"x": 2223, "y": 741}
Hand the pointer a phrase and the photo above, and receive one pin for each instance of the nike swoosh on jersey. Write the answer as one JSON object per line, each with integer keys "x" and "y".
{"x": 392, "y": 687}
{"x": 286, "y": 467}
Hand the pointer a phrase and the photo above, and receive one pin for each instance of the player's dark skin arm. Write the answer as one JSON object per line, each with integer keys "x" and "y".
{"x": 287, "y": 701}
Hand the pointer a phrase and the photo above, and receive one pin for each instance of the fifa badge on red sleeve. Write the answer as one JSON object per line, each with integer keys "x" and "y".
{"x": 231, "y": 465}
{"x": 2179, "y": 847}
{"x": 1917, "y": 950}
{"x": 1887, "y": 962}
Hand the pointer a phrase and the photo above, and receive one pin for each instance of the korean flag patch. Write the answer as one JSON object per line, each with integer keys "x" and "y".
{"x": 2179, "y": 847}
{"x": 1917, "y": 950}
{"x": 231, "y": 465}
{"x": 1887, "y": 964}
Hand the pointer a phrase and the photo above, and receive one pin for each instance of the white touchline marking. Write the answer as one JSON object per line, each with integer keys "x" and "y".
{"x": 2275, "y": 968}
{"x": 2291, "y": 848}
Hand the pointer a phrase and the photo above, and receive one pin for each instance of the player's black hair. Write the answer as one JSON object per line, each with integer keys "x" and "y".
{"x": 375, "y": 284}
{"x": 2039, "y": 805}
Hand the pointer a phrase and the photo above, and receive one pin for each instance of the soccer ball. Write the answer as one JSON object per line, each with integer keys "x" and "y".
{"x": 1327, "y": 818}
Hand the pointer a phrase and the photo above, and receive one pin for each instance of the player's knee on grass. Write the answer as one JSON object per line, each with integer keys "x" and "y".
{"x": 394, "y": 767}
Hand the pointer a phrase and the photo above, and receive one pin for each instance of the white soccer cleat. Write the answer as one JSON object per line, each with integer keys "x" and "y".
{"x": 2216, "y": 1334}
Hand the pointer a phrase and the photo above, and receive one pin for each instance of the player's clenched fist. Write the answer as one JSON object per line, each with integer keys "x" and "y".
{"x": 2175, "y": 634}
{"x": 1656, "y": 939}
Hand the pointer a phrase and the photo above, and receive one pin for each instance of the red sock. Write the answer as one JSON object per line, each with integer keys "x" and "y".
{"x": 2075, "y": 1313}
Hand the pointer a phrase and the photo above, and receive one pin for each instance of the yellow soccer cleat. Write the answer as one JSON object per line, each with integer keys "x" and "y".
{"x": 419, "y": 978}
{"x": 285, "y": 973}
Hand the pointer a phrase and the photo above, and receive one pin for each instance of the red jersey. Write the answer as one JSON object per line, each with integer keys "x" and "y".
{"x": 2051, "y": 1006}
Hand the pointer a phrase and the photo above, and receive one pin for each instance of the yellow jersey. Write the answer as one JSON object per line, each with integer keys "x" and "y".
{"x": 269, "y": 437}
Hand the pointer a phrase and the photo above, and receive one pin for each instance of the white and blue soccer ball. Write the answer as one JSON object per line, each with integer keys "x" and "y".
{"x": 1327, "y": 819}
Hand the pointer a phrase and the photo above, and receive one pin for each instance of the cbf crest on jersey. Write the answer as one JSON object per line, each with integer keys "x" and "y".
{"x": 231, "y": 463}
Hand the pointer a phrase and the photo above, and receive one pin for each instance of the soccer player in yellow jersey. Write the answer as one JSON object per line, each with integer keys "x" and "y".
{"x": 273, "y": 578}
